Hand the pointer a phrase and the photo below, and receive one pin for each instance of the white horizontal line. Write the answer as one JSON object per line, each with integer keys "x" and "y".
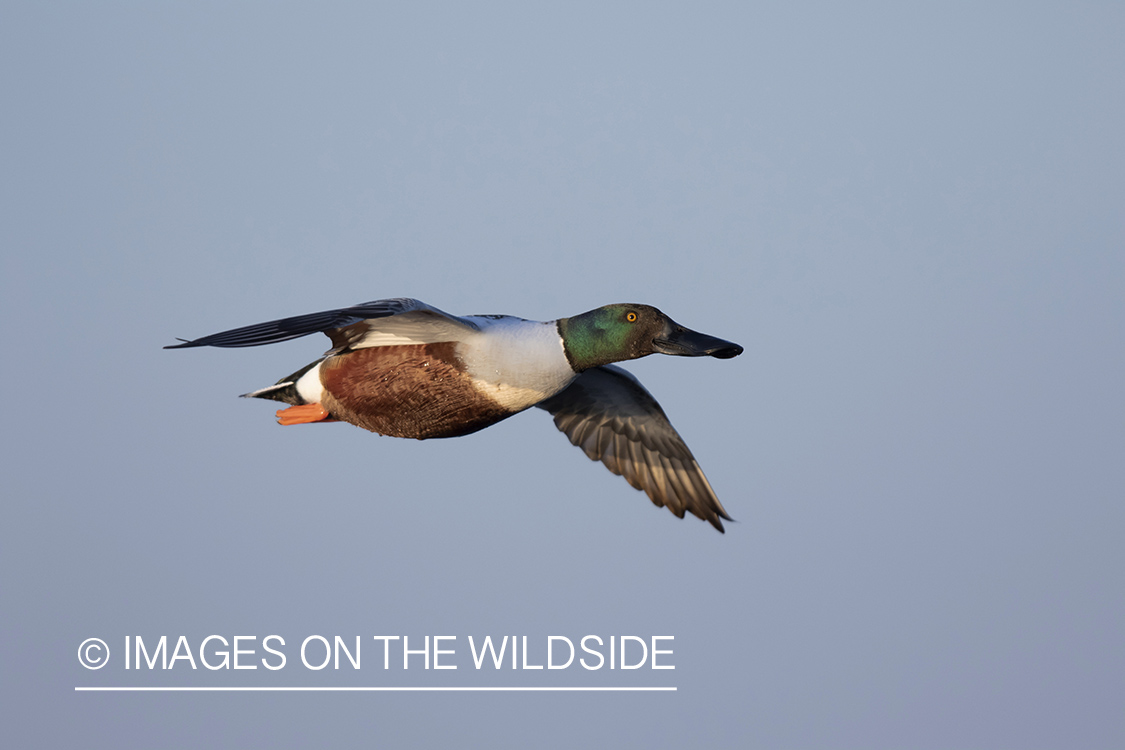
{"x": 292, "y": 689}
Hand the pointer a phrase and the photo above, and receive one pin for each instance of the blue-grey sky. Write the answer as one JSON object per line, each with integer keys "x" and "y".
{"x": 912, "y": 218}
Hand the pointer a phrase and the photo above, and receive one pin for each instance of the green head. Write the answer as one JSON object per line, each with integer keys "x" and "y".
{"x": 615, "y": 333}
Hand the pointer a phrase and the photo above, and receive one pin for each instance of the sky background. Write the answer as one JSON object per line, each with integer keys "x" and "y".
{"x": 912, "y": 218}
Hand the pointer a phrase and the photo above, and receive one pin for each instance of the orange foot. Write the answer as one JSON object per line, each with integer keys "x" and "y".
{"x": 304, "y": 414}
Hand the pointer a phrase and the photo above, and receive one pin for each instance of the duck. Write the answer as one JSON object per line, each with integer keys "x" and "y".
{"x": 402, "y": 368}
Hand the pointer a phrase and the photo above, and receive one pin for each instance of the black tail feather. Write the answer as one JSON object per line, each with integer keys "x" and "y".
{"x": 284, "y": 390}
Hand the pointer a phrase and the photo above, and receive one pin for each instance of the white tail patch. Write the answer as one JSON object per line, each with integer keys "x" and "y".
{"x": 309, "y": 387}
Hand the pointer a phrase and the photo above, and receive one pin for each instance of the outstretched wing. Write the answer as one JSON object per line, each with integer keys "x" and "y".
{"x": 608, "y": 414}
{"x": 403, "y": 320}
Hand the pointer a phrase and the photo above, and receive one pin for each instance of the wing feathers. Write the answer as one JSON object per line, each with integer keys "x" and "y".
{"x": 613, "y": 419}
{"x": 346, "y": 326}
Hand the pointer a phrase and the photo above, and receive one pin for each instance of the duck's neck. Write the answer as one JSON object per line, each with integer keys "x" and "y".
{"x": 590, "y": 340}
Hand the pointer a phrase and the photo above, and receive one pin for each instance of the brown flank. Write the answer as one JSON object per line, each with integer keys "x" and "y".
{"x": 413, "y": 391}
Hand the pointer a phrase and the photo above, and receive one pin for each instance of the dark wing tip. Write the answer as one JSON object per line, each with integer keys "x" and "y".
{"x": 714, "y": 520}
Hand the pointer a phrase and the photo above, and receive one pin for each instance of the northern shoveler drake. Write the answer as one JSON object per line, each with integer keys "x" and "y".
{"x": 403, "y": 368}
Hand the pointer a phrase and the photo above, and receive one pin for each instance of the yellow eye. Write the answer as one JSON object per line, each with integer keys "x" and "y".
{"x": 631, "y": 317}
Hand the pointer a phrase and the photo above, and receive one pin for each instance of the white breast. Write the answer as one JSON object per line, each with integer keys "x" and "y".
{"x": 516, "y": 362}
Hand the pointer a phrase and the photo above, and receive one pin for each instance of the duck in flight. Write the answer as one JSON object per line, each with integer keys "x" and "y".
{"x": 400, "y": 367}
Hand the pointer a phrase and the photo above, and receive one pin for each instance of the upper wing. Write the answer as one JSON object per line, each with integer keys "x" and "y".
{"x": 609, "y": 415}
{"x": 348, "y": 326}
